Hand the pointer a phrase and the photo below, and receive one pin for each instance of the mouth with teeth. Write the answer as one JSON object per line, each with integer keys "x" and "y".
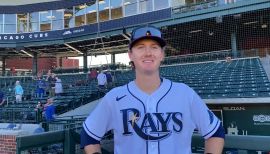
{"x": 148, "y": 61}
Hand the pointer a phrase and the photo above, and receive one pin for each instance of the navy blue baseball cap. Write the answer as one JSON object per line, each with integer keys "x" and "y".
{"x": 146, "y": 32}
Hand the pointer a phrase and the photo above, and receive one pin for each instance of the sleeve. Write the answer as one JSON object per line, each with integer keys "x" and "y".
{"x": 100, "y": 120}
{"x": 205, "y": 120}
{"x": 220, "y": 132}
{"x": 86, "y": 139}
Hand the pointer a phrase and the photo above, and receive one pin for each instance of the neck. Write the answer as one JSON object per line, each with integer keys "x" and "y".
{"x": 148, "y": 83}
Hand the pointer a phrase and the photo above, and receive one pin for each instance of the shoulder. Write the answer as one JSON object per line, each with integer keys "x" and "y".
{"x": 111, "y": 97}
{"x": 113, "y": 93}
{"x": 182, "y": 87}
{"x": 177, "y": 84}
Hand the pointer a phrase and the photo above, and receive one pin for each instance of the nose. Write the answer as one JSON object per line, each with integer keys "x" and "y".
{"x": 148, "y": 51}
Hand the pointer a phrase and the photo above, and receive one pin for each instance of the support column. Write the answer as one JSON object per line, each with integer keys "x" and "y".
{"x": 85, "y": 70}
{"x": 57, "y": 61}
{"x": 60, "y": 62}
{"x": 113, "y": 58}
{"x": 234, "y": 44}
{"x": 35, "y": 64}
{"x": 3, "y": 66}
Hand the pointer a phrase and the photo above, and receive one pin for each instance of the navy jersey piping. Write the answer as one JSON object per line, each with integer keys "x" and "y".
{"x": 163, "y": 96}
{"x": 144, "y": 111}
{"x": 157, "y": 109}
{"x": 212, "y": 129}
{"x": 136, "y": 97}
{"x": 90, "y": 131}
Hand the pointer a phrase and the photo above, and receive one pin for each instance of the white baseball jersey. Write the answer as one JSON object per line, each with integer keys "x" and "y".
{"x": 102, "y": 79}
{"x": 160, "y": 123}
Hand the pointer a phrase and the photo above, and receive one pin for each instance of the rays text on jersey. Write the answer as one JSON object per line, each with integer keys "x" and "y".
{"x": 156, "y": 124}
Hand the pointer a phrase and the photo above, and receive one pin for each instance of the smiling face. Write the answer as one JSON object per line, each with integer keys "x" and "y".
{"x": 147, "y": 56}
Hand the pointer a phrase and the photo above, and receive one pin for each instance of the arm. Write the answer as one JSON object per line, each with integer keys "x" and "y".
{"x": 92, "y": 148}
{"x": 89, "y": 144}
{"x": 208, "y": 125}
{"x": 214, "y": 145}
{"x": 93, "y": 131}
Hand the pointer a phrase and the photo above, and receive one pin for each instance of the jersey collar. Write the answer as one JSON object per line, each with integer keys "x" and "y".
{"x": 157, "y": 94}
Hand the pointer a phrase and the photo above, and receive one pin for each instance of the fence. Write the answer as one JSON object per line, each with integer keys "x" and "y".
{"x": 213, "y": 56}
{"x": 69, "y": 139}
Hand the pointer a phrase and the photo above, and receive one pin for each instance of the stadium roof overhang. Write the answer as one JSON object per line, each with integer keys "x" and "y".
{"x": 180, "y": 30}
{"x": 109, "y": 42}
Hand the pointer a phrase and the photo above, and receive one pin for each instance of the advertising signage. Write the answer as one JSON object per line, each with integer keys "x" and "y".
{"x": 23, "y": 37}
{"x": 48, "y": 35}
{"x": 84, "y": 30}
{"x": 245, "y": 119}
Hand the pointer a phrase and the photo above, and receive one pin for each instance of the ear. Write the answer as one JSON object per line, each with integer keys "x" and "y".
{"x": 130, "y": 55}
{"x": 162, "y": 54}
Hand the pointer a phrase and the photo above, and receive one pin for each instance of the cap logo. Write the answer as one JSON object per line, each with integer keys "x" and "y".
{"x": 148, "y": 33}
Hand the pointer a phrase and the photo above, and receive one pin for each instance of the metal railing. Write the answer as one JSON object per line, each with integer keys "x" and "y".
{"x": 69, "y": 139}
{"x": 194, "y": 6}
{"x": 212, "y": 56}
{"x": 19, "y": 115}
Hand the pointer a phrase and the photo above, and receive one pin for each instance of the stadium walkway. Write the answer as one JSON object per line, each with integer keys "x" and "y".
{"x": 81, "y": 111}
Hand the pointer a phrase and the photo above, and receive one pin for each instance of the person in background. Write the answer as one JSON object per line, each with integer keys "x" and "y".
{"x": 40, "y": 85}
{"x": 51, "y": 83}
{"x": 39, "y": 110}
{"x": 49, "y": 110}
{"x": 39, "y": 106}
{"x": 18, "y": 92}
{"x": 93, "y": 74}
{"x": 58, "y": 87}
{"x": 102, "y": 80}
{"x": 109, "y": 79}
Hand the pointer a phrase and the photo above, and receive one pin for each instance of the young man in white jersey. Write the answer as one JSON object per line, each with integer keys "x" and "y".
{"x": 151, "y": 115}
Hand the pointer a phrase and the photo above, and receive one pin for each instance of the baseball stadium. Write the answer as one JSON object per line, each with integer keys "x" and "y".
{"x": 220, "y": 48}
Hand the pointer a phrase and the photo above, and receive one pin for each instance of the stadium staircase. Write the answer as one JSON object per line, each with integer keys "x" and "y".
{"x": 266, "y": 65}
{"x": 239, "y": 78}
{"x": 77, "y": 92}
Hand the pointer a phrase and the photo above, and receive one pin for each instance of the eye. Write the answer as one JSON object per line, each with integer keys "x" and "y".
{"x": 140, "y": 47}
{"x": 155, "y": 47}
